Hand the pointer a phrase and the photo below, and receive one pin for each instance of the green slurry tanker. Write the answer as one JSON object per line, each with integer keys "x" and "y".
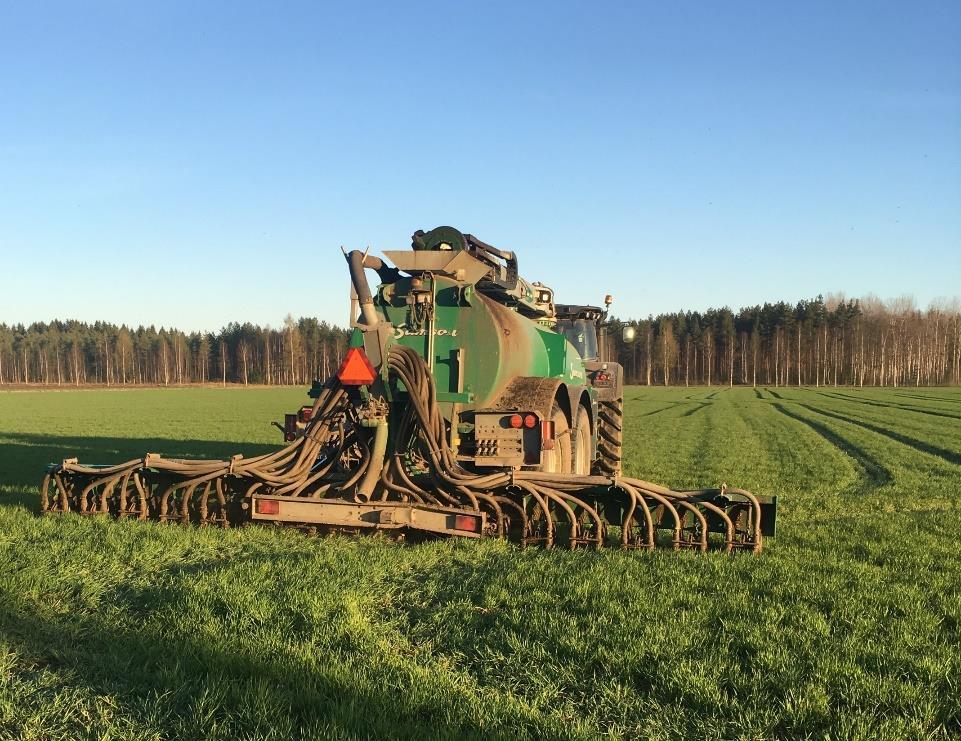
{"x": 468, "y": 404}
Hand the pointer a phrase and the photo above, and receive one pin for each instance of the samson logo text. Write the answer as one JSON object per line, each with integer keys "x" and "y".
{"x": 440, "y": 332}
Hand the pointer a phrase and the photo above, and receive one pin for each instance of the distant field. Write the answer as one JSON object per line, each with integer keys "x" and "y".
{"x": 848, "y": 625}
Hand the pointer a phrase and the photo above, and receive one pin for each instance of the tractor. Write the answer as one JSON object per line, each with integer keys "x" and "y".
{"x": 468, "y": 404}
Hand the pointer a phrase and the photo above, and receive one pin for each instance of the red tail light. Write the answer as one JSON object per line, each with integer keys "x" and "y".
{"x": 267, "y": 507}
{"x": 470, "y": 523}
{"x": 516, "y": 421}
{"x": 529, "y": 421}
{"x": 356, "y": 369}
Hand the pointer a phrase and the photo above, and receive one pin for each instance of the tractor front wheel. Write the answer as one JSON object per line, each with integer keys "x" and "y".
{"x": 610, "y": 434}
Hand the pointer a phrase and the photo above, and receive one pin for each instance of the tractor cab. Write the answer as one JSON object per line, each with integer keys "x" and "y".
{"x": 579, "y": 324}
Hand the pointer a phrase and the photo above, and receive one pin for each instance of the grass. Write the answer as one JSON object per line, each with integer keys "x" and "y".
{"x": 847, "y": 626}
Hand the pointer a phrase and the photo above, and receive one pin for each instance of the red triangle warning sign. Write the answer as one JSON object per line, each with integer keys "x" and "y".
{"x": 356, "y": 369}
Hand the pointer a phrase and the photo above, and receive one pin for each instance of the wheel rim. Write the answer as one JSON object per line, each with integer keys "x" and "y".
{"x": 582, "y": 443}
{"x": 558, "y": 459}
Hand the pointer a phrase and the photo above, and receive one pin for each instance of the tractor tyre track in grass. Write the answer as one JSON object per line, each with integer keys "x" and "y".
{"x": 696, "y": 409}
{"x": 899, "y": 407}
{"x": 659, "y": 410}
{"x": 700, "y": 442}
{"x": 925, "y": 397}
{"x": 874, "y": 473}
{"x": 688, "y": 400}
{"x": 944, "y": 454}
{"x": 669, "y": 407}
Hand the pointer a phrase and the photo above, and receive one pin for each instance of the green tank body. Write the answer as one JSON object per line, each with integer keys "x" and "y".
{"x": 474, "y": 345}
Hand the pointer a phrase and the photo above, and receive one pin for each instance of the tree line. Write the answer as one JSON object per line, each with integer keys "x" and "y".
{"x": 818, "y": 342}
{"x": 77, "y": 353}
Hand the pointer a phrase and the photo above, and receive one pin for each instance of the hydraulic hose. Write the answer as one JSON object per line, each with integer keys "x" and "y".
{"x": 386, "y": 273}
{"x": 355, "y": 259}
{"x": 377, "y": 453}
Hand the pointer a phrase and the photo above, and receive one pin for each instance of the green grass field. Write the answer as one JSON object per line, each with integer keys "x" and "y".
{"x": 848, "y": 625}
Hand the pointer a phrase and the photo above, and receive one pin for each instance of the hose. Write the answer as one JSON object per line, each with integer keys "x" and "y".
{"x": 408, "y": 459}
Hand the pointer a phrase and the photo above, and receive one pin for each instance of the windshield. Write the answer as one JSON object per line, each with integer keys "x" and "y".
{"x": 582, "y": 334}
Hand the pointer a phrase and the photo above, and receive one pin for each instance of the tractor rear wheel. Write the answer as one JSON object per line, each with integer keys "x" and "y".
{"x": 610, "y": 436}
{"x": 583, "y": 444}
{"x": 559, "y": 458}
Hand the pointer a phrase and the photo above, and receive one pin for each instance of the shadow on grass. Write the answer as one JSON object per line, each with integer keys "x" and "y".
{"x": 182, "y": 682}
{"x": 176, "y": 677}
{"x": 24, "y": 457}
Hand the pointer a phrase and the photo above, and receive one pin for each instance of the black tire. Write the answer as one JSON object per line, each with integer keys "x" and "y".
{"x": 610, "y": 437}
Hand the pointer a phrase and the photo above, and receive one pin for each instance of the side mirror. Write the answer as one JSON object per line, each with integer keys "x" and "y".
{"x": 628, "y": 333}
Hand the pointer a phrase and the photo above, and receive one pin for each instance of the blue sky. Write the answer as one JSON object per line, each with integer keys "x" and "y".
{"x": 189, "y": 164}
